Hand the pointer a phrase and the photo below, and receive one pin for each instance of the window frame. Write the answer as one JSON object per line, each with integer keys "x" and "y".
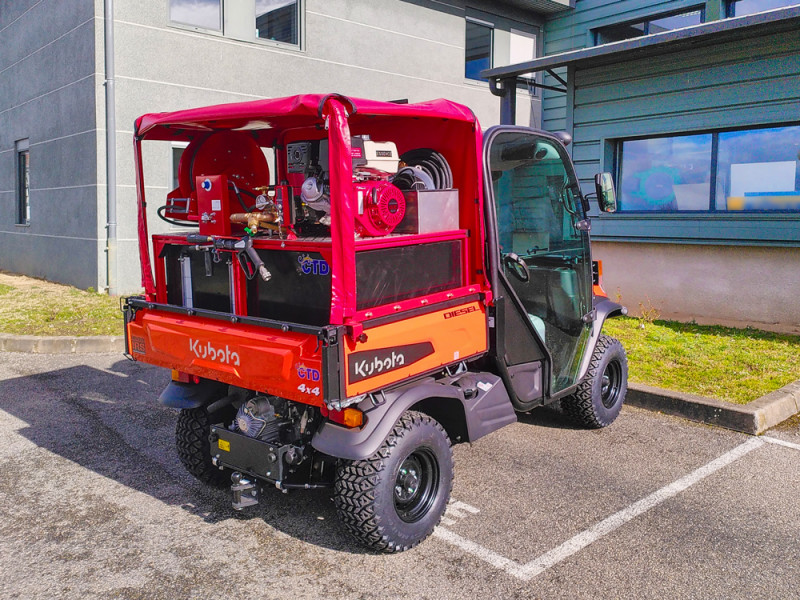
{"x": 491, "y": 27}
{"x": 300, "y": 19}
{"x": 646, "y": 21}
{"x": 22, "y": 188}
{"x": 714, "y": 165}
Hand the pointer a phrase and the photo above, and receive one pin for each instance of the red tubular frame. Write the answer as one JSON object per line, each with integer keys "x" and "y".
{"x": 452, "y": 123}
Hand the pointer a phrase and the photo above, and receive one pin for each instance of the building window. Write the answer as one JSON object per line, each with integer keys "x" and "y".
{"x": 479, "y": 41}
{"x": 522, "y": 49}
{"x": 177, "y": 149}
{"x": 738, "y": 8}
{"x": 278, "y": 20}
{"x": 758, "y": 169}
{"x": 649, "y": 26}
{"x": 204, "y": 14}
{"x": 669, "y": 173}
{"x": 23, "y": 183}
{"x": 752, "y": 170}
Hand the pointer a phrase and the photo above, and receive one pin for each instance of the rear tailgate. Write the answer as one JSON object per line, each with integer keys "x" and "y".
{"x": 283, "y": 363}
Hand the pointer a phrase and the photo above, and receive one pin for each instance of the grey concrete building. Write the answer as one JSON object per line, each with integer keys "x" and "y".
{"x": 74, "y": 74}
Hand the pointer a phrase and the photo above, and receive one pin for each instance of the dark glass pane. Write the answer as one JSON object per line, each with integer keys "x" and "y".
{"x": 617, "y": 33}
{"x": 198, "y": 13}
{"x": 478, "y": 50}
{"x": 663, "y": 174}
{"x": 657, "y": 24}
{"x": 694, "y": 17}
{"x": 24, "y": 189}
{"x": 748, "y": 7}
{"x": 759, "y": 169}
{"x": 277, "y": 20}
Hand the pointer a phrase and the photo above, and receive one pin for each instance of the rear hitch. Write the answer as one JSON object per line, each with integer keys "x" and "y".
{"x": 245, "y": 491}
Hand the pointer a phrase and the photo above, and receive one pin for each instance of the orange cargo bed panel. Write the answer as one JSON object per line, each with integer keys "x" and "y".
{"x": 286, "y": 364}
{"x": 409, "y": 347}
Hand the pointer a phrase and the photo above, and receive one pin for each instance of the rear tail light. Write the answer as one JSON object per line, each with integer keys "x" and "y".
{"x": 349, "y": 417}
{"x": 182, "y": 377}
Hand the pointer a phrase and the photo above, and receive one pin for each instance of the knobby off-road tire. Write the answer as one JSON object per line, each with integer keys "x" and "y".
{"x": 392, "y": 500}
{"x": 194, "y": 448}
{"x": 599, "y": 397}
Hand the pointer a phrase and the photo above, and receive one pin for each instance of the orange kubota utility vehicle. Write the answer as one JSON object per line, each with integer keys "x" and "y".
{"x": 398, "y": 281}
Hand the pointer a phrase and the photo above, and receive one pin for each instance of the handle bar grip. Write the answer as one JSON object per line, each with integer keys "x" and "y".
{"x": 196, "y": 238}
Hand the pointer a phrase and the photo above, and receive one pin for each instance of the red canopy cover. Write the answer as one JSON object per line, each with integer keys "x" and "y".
{"x": 452, "y": 128}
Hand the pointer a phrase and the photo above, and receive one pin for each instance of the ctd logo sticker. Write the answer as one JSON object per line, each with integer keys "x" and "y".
{"x": 207, "y": 351}
{"x": 370, "y": 363}
{"x": 206, "y": 185}
{"x": 313, "y": 266}
{"x": 307, "y": 373}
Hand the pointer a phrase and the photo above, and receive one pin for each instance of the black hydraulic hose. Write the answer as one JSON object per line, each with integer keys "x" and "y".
{"x": 239, "y": 197}
{"x": 162, "y": 209}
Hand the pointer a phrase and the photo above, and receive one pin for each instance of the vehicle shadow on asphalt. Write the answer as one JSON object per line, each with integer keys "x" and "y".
{"x": 110, "y": 422}
{"x": 552, "y": 417}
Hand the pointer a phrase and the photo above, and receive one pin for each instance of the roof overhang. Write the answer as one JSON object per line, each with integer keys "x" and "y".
{"x": 696, "y": 36}
{"x": 542, "y": 7}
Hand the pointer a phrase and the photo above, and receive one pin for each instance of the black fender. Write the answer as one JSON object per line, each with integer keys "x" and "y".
{"x": 604, "y": 309}
{"x": 468, "y": 406}
{"x": 192, "y": 395}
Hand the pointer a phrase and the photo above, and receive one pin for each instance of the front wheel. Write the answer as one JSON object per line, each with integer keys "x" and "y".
{"x": 599, "y": 397}
{"x": 392, "y": 500}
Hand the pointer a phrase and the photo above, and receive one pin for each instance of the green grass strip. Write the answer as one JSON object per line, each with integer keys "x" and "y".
{"x": 58, "y": 311}
{"x": 734, "y": 365}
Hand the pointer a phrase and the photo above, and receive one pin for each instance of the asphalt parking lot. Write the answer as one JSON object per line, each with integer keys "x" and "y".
{"x": 95, "y": 504}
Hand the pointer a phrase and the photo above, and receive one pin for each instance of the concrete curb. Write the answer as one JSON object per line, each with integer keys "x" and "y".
{"x": 43, "y": 344}
{"x": 753, "y": 418}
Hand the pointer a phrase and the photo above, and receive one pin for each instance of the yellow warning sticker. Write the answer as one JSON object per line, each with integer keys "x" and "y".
{"x": 224, "y": 445}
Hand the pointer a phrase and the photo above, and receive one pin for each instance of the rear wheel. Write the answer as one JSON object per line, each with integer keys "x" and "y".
{"x": 392, "y": 500}
{"x": 599, "y": 397}
{"x": 194, "y": 448}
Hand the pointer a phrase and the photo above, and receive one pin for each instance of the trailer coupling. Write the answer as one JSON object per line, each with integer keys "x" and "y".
{"x": 245, "y": 491}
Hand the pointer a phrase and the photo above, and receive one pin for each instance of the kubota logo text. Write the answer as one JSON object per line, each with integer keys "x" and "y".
{"x": 207, "y": 351}
{"x": 370, "y": 363}
{"x": 376, "y": 365}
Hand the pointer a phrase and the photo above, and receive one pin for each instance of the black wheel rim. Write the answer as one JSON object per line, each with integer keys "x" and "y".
{"x": 416, "y": 485}
{"x": 610, "y": 383}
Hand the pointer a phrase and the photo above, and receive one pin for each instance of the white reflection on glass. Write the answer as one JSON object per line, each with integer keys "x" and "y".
{"x": 759, "y": 169}
{"x": 198, "y": 13}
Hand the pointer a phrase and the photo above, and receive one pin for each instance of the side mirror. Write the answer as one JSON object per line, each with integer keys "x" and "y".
{"x": 606, "y": 196}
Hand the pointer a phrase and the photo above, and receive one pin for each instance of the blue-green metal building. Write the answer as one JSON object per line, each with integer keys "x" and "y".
{"x": 695, "y": 109}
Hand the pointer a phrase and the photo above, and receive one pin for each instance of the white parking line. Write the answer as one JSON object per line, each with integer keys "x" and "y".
{"x": 778, "y": 442}
{"x": 582, "y": 540}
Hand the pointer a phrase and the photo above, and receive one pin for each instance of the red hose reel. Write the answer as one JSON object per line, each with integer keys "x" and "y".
{"x": 381, "y": 207}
